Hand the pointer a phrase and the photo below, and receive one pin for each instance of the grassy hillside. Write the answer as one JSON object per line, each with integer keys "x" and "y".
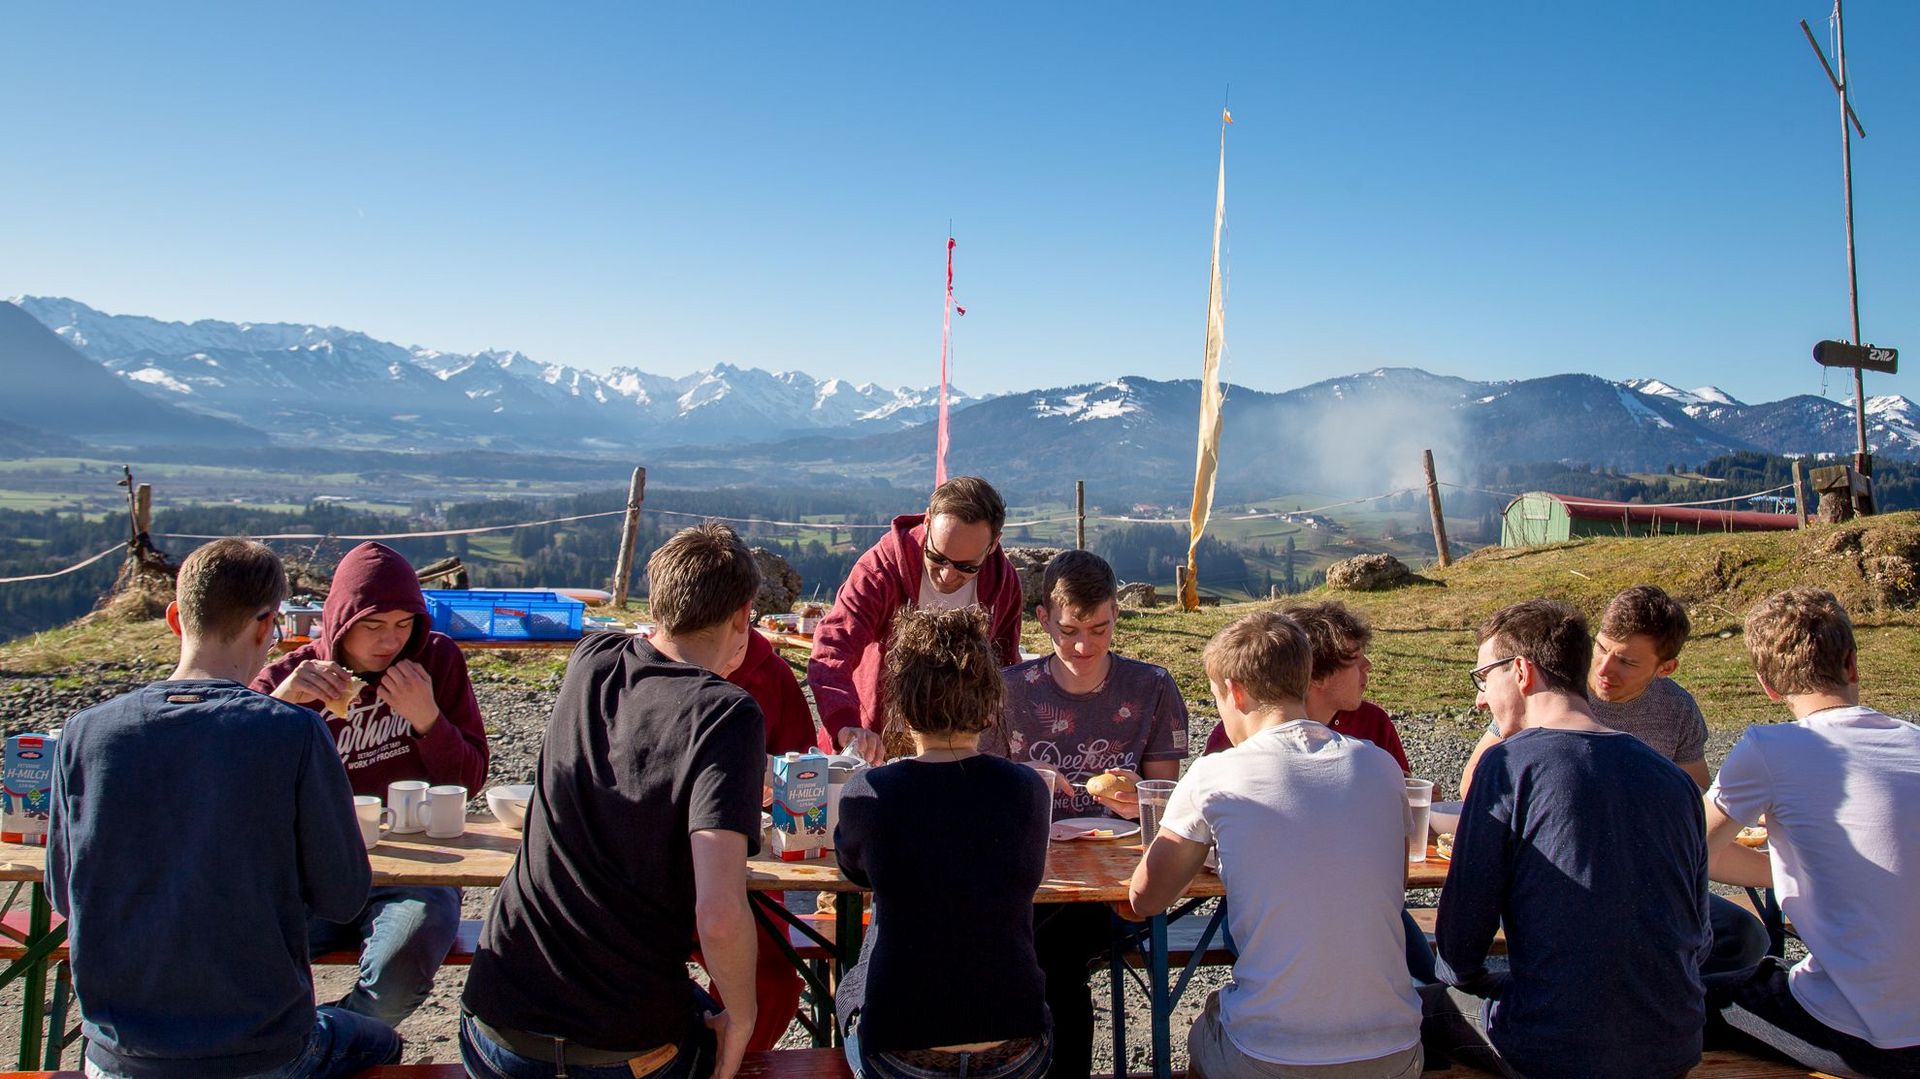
{"x": 1423, "y": 644}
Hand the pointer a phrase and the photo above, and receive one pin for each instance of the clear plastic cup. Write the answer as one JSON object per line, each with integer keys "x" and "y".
{"x": 1420, "y": 807}
{"x": 1051, "y": 777}
{"x": 1154, "y": 794}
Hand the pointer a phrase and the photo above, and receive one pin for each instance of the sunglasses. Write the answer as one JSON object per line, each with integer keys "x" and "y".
{"x": 1478, "y": 676}
{"x": 938, "y": 559}
{"x": 279, "y": 632}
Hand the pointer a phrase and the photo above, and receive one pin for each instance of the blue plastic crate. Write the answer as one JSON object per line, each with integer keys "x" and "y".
{"x": 504, "y": 616}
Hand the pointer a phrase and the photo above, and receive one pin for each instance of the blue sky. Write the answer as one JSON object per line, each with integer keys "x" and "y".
{"x": 1494, "y": 190}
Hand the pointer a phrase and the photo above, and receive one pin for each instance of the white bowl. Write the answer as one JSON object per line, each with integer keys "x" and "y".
{"x": 509, "y": 803}
{"x": 1445, "y": 817}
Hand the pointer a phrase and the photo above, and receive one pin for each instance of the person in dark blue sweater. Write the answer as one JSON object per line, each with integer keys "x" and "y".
{"x": 1590, "y": 847}
{"x": 196, "y": 825}
{"x": 948, "y": 983}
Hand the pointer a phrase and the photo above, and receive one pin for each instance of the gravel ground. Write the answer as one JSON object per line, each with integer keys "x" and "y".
{"x": 1437, "y": 746}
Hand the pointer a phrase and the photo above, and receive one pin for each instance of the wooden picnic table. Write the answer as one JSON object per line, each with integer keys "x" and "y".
{"x": 1079, "y": 871}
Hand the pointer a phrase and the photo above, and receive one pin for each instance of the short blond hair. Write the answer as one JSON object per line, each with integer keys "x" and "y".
{"x": 224, "y": 585}
{"x": 1799, "y": 641}
{"x": 699, "y": 578}
{"x": 1267, "y": 654}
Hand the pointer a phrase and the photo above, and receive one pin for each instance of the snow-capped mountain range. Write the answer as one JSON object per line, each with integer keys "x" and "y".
{"x": 328, "y": 385}
{"x": 129, "y": 380}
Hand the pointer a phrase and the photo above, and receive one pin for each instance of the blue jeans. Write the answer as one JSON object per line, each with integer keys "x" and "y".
{"x": 486, "y": 1059}
{"x": 403, "y": 935}
{"x": 342, "y": 1045}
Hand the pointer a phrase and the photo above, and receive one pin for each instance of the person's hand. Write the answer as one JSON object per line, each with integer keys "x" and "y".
{"x": 314, "y": 681}
{"x": 1126, "y": 803}
{"x": 864, "y": 744}
{"x": 408, "y": 690}
{"x": 730, "y": 1037}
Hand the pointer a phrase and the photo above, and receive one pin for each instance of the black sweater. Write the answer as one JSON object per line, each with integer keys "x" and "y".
{"x": 954, "y": 853}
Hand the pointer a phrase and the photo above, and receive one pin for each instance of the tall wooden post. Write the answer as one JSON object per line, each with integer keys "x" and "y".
{"x": 143, "y": 509}
{"x": 1800, "y": 490}
{"x": 1080, "y": 514}
{"x": 1180, "y": 581}
{"x": 629, "y": 537}
{"x": 1433, "y": 507}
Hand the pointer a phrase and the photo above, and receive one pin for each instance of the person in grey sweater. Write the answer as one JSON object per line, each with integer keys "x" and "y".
{"x": 196, "y": 826}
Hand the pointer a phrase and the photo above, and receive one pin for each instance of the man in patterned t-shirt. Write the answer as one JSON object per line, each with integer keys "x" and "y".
{"x": 1084, "y": 711}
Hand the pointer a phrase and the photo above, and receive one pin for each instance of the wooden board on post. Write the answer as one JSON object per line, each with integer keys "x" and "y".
{"x": 1433, "y": 507}
{"x": 1800, "y": 490}
{"x": 629, "y": 537}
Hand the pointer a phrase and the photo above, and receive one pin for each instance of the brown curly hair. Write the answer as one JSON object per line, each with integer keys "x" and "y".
{"x": 942, "y": 675}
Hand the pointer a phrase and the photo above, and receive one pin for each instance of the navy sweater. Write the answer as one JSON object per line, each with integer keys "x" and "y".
{"x": 1591, "y": 848}
{"x": 195, "y": 826}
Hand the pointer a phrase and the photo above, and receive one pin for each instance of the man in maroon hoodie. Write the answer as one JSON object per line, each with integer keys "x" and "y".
{"x": 947, "y": 557}
{"x": 416, "y": 718}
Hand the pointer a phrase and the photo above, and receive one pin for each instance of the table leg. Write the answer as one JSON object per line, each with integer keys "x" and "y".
{"x": 34, "y": 992}
{"x": 1117, "y": 997}
{"x": 849, "y": 925}
{"x": 1161, "y": 998}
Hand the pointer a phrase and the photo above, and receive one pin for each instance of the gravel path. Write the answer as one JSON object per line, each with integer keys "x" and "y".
{"x": 1437, "y": 746}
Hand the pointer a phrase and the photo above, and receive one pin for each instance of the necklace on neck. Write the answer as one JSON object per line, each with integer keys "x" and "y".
{"x": 1055, "y": 667}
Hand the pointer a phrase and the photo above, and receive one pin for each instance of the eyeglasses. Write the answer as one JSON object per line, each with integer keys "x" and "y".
{"x": 279, "y": 631}
{"x": 1478, "y": 676}
{"x": 938, "y": 559}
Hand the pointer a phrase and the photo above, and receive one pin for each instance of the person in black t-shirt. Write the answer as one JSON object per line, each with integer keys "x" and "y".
{"x": 646, "y": 808}
{"x": 948, "y": 838}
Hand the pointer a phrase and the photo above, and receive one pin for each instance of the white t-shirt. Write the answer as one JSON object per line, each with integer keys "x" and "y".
{"x": 1841, "y": 793}
{"x": 932, "y": 599}
{"x": 1311, "y": 826}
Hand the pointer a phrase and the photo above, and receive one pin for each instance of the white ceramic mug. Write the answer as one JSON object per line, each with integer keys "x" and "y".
{"x": 372, "y": 815}
{"x": 445, "y": 812}
{"x": 407, "y": 800}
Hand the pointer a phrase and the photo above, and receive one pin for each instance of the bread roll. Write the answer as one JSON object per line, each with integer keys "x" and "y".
{"x": 343, "y": 704}
{"x": 1109, "y": 786}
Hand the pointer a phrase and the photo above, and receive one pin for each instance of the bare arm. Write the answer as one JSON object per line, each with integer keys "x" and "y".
{"x": 1487, "y": 741}
{"x": 1698, "y": 770}
{"x": 1169, "y": 866}
{"x": 1729, "y": 862}
{"x": 728, "y": 944}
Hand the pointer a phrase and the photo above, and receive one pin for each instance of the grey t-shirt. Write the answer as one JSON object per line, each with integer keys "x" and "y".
{"x": 1664, "y": 716}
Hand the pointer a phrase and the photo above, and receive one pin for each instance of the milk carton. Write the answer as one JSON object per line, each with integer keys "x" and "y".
{"x": 800, "y": 805}
{"x": 28, "y": 781}
{"x": 839, "y": 769}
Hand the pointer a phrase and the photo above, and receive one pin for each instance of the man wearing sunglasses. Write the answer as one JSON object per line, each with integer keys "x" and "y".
{"x": 1590, "y": 847}
{"x": 946, "y": 558}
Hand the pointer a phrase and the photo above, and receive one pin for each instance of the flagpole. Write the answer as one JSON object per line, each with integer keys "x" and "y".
{"x": 946, "y": 349}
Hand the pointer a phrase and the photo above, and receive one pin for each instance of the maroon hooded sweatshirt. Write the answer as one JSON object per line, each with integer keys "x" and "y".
{"x": 848, "y": 648}
{"x": 377, "y": 746}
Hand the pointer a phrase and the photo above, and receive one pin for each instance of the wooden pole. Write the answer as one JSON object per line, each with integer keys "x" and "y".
{"x": 1433, "y": 507}
{"x": 629, "y": 537}
{"x": 1180, "y": 584}
{"x": 1800, "y": 490}
{"x": 1080, "y": 514}
{"x": 143, "y": 509}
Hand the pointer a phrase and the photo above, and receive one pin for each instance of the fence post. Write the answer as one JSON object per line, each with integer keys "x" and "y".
{"x": 629, "y": 537}
{"x": 1180, "y": 585}
{"x": 1800, "y": 490}
{"x": 1433, "y": 507}
{"x": 1080, "y": 514}
{"x": 143, "y": 510}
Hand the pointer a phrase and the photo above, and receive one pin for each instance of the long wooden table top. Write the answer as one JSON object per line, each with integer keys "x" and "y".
{"x": 1077, "y": 871}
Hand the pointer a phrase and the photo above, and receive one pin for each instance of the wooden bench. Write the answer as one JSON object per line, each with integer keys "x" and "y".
{"x": 13, "y": 928}
{"x": 831, "y": 1064}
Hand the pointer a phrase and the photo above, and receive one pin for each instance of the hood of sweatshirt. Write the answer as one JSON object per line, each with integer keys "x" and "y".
{"x": 372, "y": 577}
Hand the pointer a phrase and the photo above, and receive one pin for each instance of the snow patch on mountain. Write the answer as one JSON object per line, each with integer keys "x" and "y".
{"x": 1639, "y": 411}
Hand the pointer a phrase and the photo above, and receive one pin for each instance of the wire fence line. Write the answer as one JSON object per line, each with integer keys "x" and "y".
{"x": 76, "y": 567}
{"x": 762, "y": 522}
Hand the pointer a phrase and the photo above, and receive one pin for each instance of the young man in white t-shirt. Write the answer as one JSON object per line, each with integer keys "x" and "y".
{"x": 1311, "y": 826}
{"x": 1838, "y": 789}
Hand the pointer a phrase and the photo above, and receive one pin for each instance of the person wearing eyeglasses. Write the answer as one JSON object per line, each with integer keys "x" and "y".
{"x": 1590, "y": 847}
{"x": 187, "y": 922}
{"x": 944, "y": 559}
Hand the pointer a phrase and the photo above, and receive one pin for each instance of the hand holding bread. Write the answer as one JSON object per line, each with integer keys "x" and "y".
{"x": 1116, "y": 789}
{"x": 320, "y": 683}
